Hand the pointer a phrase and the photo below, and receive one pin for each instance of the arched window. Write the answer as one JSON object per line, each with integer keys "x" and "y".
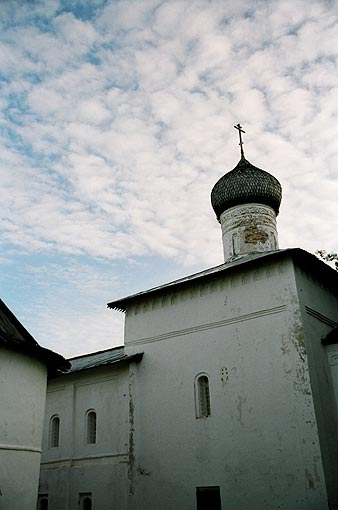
{"x": 54, "y": 432}
{"x": 85, "y": 501}
{"x": 202, "y": 396}
{"x": 91, "y": 427}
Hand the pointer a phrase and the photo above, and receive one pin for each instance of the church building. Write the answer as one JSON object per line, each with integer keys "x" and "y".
{"x": 225, "y": 393}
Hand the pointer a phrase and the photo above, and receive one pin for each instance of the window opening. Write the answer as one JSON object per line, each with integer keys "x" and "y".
{"x": 43, "y": 502}
{"x": 208, "y": 498}
{"x": 85, "y": 500}
{"x": 54, "y": 432}
{"x": 91, "y": 427}
{"x": 87, "y": 503}
{"x": 235, "y": 244}
{"x": 202, "y": 395}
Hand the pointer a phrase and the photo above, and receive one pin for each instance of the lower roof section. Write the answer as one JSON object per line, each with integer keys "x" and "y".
{"x": 102, "y": 358}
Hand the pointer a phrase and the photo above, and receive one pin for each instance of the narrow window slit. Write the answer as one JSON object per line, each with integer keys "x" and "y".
{"x": 202, "y": 396}
{"x": 91, "y": 427}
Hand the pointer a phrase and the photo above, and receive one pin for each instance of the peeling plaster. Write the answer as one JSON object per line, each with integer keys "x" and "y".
{"x": 252, "y": 234}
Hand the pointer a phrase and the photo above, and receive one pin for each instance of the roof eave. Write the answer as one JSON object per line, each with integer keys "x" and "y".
{"x": 55, "y": 362}
{"x": 132, "y": 358}
{"x": 27, "y": 344}
{"x": 120, "y": 304}
{"x": 298, "y": 254}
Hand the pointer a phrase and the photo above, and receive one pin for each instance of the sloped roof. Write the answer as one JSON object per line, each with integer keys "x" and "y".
{"x": 306, "y": 259}
{"x": 101, "y": 358}
{"x": 14, "y": 336}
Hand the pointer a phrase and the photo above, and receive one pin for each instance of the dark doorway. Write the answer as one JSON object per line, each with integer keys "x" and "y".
{"x": 208, "y": 498}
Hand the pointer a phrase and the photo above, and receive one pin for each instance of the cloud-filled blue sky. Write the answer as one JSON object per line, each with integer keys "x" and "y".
{"x": 116, "y": 119}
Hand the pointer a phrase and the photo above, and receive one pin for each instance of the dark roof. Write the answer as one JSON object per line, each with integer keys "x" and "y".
{"x": 101, "y": 358}
{"x": 245, "y": 184}
{"x": 14, "y": 336}
{"x": 309, "y": 262}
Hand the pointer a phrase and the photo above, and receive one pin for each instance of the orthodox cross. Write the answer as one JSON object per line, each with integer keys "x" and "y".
{"x": 240, "y": 131}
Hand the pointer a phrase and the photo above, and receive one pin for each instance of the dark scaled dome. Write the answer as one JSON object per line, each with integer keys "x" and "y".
{"x": 245, "y": 184}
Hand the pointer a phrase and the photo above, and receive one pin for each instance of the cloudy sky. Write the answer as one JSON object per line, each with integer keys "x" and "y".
{"x": 116, "y": 120}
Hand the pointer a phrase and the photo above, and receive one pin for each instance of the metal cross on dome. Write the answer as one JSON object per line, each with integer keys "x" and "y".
{"x": 240, "y": 131}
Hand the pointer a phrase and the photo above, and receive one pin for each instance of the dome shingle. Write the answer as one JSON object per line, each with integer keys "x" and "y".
{"x": 246, "y": 184}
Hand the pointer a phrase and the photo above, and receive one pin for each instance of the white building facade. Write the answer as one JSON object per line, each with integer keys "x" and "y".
{"x": 225, "y": 394}
{"x": 86, "y": 457}
{"x": 254, "y": 329}
{"x": 262, "y": 434}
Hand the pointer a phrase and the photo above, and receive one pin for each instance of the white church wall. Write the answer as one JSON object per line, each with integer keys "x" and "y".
{"x": 332, "y": 354}
{"x": 76, "y": 467}
{"x": 23, "y": 382}
{"x": 319, "y": 308}
{"x": 239, "y": 329}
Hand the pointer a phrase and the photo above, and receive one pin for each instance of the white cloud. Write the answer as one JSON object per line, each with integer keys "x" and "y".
{"x": 117, "y": 127}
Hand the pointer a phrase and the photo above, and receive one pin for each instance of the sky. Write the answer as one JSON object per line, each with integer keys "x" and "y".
{"x": 116, "y": 120}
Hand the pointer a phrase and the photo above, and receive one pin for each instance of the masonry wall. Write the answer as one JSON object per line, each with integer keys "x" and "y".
{"x": 75, "y": 468}
{"x": 23, "y": 382}
{"x": 319, "y": 310}
{"x": 243, "y": 329}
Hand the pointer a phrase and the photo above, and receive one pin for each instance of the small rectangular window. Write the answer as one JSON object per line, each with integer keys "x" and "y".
{"x": 208, "y": 498}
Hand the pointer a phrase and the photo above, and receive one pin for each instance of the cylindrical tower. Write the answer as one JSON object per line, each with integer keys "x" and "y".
{"x": 246, "y": 201}
{"x": 22, "y": 399}
{"x": 24, "y": 366}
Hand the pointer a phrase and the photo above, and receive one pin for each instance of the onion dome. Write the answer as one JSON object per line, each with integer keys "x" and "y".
{"x": 246, "y": 184}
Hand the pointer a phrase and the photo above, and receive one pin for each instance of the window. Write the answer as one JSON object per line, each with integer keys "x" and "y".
{"x": 87, "y": 503}
{"x": 202, "y": 396}
{"x": 85, "y": 500}
{"x": 91, "y": 427}
{"x": 43, "y": 502}
{"x": 208, "y": 498}
{"x": 235, "y": 244}
{"x": 54, "y": 432}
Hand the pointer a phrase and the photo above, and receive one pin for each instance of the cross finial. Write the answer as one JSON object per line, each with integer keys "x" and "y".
{"x": 240, "y": 131}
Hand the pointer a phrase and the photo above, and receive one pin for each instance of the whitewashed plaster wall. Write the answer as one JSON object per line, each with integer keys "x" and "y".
{"x": 77, "y": 467}
{"x": 332, "y": 354}
{"x": 23, "y": 381}
{"x": 248, "y": 228}
{"x": 258, "y": 445}
{"x": 319, "y": 309}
